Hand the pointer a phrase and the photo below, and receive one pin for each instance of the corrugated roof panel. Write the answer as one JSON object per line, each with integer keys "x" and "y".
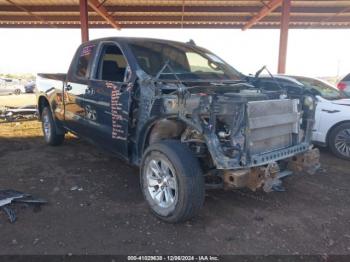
{"x": 172, "y": 13}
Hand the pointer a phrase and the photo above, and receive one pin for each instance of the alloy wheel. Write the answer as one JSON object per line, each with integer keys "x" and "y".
{"x": 342, "y": 142}
{"x": 161, "y": 182}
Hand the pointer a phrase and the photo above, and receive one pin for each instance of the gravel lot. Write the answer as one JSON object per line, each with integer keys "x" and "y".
{"x": 17, "y": 100}
{"x": 96, "y": 207}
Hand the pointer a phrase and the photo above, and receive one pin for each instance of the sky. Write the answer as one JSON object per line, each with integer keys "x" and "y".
{"x": 317, "y": 53}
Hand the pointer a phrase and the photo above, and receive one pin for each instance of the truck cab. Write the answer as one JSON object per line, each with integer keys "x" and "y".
{"x": 183, "y": 115}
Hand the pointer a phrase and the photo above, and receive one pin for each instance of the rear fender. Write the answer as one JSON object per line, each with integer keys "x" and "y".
{"x": 44, "y": 102}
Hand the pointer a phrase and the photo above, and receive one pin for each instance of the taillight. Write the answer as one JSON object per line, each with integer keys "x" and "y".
{"x": 341, "y": 85}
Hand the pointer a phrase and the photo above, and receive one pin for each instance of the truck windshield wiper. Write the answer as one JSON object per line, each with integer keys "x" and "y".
{"x": 268, "y": 71}
{"x": 172, "y": 72}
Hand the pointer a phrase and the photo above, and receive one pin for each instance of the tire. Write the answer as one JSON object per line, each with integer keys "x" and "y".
{"x": 182, "y": 181}
{"x": 339, "y": 141}
{"x": 49, "y": 129}
{"x": 17, "y": 91}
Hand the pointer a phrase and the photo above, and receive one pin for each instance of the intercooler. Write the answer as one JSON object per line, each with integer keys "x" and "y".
{"x": 272, "y": 125}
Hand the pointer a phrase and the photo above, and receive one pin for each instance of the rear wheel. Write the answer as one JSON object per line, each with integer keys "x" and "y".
{"x": 172, "y": 181}
{"x": 49, "y": 129}
{"x": 339, "y": 141}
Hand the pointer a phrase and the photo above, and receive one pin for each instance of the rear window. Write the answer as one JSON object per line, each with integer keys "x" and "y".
{"x": 83, "y": 60}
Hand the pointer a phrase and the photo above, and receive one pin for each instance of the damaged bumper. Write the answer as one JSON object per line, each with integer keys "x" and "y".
{"x": 268, "y": 177}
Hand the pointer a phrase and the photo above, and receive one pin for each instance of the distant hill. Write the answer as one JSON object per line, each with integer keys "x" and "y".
{"x": 24, "y": 76}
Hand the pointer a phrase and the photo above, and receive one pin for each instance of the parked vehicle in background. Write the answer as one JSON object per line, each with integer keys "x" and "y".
{"x": 332, "y": 126}
{"x": 184, "y": 116}
{"x": 30, "y": 87}
{"x": 344, "y": 84}
{"x": 10, "y": 86}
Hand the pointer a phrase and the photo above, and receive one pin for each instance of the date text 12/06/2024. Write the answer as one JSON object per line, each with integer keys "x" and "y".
{"x": 174, "y": 258}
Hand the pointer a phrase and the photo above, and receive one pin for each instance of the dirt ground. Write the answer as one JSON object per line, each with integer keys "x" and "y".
{"x": 96, "y": 207}
{"x": 18, "y": 100}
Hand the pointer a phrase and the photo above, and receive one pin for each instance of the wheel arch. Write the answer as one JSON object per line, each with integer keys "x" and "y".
{"x": 149, "y": 133}
{"x": 42, "y": 102}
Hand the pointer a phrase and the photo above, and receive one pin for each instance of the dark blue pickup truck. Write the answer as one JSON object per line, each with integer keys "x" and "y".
{"x": 188, "y": 119}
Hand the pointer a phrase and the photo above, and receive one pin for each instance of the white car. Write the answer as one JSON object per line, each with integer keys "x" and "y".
{"x": 10, "y": 86}
{"x": 332, "y": 116}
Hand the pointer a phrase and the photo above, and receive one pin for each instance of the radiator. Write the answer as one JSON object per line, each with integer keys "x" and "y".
{"x": 272, "y": 124}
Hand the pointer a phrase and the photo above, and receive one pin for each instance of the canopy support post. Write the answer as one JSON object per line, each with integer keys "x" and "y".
{"x": 84, "y": 20}
{"x": 282, "y": 56}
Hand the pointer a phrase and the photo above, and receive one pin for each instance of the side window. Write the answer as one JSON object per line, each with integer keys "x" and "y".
{"x": 291, "y": 87}
{"x": 83, "y": 60}
{"x": 112, "y": 64}
{"x": 269, "y": 85}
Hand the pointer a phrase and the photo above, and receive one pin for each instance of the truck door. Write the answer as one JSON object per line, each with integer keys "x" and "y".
{"x": 75, "y": 89}
{"x": 108, "y": 99}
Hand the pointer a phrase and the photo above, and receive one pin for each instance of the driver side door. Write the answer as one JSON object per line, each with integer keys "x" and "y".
{"x": 108, "y": 99}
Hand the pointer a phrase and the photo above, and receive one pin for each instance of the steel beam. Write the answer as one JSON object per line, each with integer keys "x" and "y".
{"x": 176, "y": 18}
{"x": 29, "y": 24}
{"x": 101, "y": 10}
{"x": 282, "y": 56}
{"x": 84, "y": 20}
{"x": 267, "y": 9}
{"x": 172, "y": 8}
{"x": 23, "y": 9}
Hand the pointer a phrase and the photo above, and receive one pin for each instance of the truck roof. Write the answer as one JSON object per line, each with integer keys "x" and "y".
{"x": 140, "y": 39}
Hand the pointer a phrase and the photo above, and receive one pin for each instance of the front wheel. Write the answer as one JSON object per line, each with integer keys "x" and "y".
{"x": 339, "y": 141}
{"x": 49, "y": 129}
{"x": 172, "y": 181}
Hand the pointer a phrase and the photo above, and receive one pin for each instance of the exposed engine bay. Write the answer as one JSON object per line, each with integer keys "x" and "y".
{"x": 239, "y": 133}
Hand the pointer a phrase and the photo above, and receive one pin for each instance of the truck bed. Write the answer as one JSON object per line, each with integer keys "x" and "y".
{"x": 48, "y": 82}
{"x": 58, "y": 76}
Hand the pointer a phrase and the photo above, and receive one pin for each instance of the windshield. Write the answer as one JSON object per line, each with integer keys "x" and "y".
{"x": 188, "y": 63}
{"x": 346, "y": 78}
{"x": 321, "y": 88}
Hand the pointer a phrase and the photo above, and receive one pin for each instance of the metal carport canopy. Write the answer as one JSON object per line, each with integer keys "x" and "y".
{"x": 84, "y": 14}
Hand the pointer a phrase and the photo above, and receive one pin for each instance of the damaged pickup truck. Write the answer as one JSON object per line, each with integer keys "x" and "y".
{"x": 188, "y": 119}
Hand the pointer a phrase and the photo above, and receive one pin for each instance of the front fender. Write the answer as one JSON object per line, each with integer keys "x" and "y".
{"x": 329, "y": 115}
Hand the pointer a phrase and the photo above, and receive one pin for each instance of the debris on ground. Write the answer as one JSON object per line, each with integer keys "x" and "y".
{"x": 74, "y": 188}
{"x": 12, "y": 114}
{"x": 9, "y": 196}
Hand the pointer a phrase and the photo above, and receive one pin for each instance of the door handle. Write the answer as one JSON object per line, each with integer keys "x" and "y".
{"x": 68, "y": 88}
